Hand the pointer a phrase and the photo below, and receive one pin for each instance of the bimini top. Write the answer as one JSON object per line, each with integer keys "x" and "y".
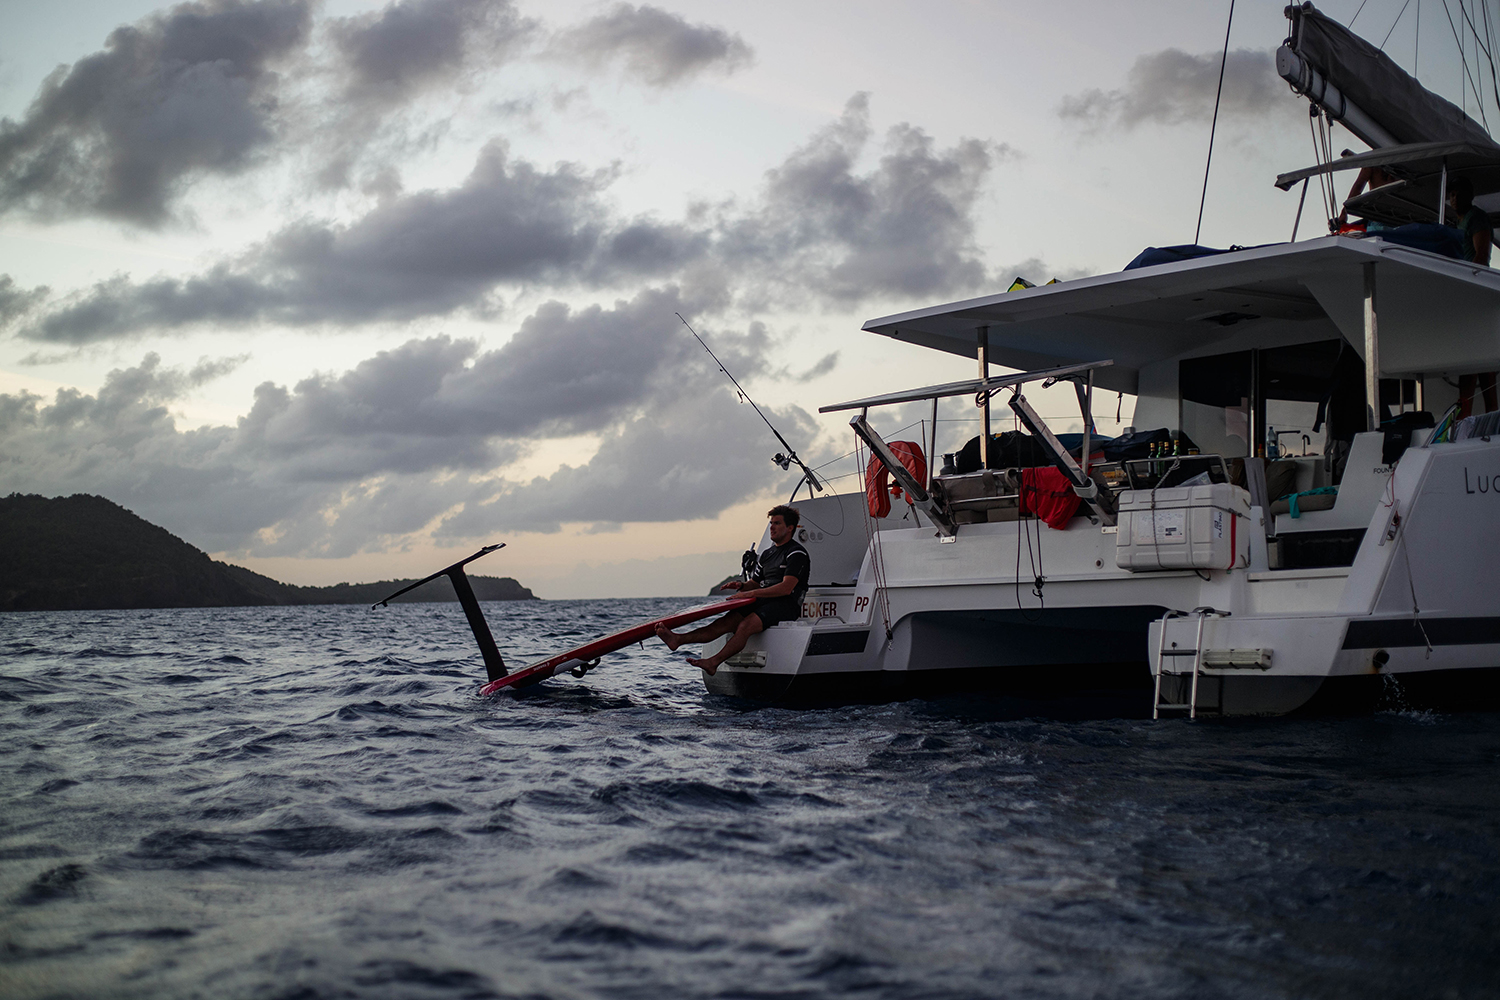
{"x": 1436, "y": 315}
{"x": 1421, "y": 171}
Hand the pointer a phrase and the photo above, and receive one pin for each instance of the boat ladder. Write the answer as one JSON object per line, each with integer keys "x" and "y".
{"x": 1163, "y": 653}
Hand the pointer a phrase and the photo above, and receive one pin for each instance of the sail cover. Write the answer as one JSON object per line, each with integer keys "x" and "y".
{"x": 1369, "y": 78}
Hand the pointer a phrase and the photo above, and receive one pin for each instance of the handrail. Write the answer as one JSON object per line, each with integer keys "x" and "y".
{"x": 985, "y": 385}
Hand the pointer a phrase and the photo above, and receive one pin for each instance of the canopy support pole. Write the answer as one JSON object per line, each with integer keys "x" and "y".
{"x": 1443, "y": 194}
{"x": 932, "y": 451}
{"x": 1297, "y": 222}
{"x": 984, "y": 398}
{"x": 1372, "y": 354}
{"x": 1085, "y": 393}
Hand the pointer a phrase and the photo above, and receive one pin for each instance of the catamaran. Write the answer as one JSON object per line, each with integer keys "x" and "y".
{"x": 1298, "y": 532}
{"x": 1326, "y": 542}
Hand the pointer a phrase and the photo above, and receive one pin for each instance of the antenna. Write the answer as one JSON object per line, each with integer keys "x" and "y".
{"x": 784, "y": 460}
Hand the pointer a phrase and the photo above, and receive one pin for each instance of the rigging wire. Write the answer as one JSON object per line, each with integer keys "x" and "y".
{"x": 1463, "y": 58}
{"x": 1489, "y": 36}
{"x": 1480, "y": 44}
{"x": 1388, "y": 34}
{"x": 1357, "y": 13}
{"x": 1213, "y": 127}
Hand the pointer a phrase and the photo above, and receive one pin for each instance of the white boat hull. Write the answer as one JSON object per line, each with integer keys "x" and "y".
{"x": 957, "y": 615}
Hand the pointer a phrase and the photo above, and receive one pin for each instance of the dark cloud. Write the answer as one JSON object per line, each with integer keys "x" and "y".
{"x": 340, "y": 463}
{"x": 689, "y": 455}
{"x": 410, "y": 46}
{"x": 16, "y": 302}
{"x": 825, "y": 364}
{"x": 906, "y": 226}
{"x": 187, "y": 92}
{"x": 822, "y": 229}
{"x": 1172, "y": 87}
{"x": 422, "y": 254}
{"x": 385, "y": 60}
{"x": 440, "y": 404}
{"x": 652, "y": 45}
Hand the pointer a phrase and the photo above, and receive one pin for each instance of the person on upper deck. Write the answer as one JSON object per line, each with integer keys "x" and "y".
{"x": 1372, "y": 178}
{"x": 781, "y": 577}
{"x": 1474, "y": 222}
{"x": 1478, "y": 238}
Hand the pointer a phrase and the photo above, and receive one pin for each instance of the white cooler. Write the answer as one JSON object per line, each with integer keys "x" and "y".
{"x": 1184, "y": 527}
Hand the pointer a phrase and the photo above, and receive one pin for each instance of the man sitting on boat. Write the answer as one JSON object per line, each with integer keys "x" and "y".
{"x": 781, "y": 577}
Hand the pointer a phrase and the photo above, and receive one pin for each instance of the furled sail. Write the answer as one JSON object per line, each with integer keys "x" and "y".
{"x": 1362, "y": 87}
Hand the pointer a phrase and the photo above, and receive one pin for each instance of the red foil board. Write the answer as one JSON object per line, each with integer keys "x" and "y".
{"x": 619, "y": 640}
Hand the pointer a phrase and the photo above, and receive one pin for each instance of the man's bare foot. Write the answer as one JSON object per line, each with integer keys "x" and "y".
{"x": 708, "y": 666}
{"x": 666, "y": 635}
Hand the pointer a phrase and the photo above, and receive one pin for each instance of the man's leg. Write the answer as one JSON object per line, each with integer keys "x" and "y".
{"x": 748, "y": 627}
{"x": 706, "y": 633}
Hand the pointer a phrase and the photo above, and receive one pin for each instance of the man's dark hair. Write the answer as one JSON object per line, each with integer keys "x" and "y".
{"x": 1462, "y": 190}
{"x": 789, "y": 515}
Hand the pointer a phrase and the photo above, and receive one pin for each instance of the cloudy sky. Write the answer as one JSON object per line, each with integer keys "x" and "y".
{"x": 339, "y": 290}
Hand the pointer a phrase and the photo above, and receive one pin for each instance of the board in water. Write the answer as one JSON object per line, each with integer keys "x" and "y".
{"x": 585, "y": 655}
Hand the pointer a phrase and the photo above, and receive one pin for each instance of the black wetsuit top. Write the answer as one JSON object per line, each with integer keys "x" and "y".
{"x": 777, "y": 563}
{"x": 781, "y": 561}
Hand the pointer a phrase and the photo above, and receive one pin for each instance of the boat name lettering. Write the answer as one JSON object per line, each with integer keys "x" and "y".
{"x": 860, "y": 603}
{"x": 820, "y": 609}
{"x": 1482, "y": 483}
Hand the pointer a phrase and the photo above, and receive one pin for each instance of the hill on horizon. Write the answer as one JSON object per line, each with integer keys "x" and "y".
{"x": 87, "y": 553}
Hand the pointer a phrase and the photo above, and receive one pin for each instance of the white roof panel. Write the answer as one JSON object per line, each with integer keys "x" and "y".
{"x": 1436, "y": 314}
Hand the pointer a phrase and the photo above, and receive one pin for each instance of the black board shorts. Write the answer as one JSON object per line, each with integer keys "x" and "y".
{"x": 774, "y": 610}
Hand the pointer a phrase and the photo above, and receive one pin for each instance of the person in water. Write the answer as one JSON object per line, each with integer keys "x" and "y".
{"x": 780, "y": 582}
{"x": 1477, "y": 230}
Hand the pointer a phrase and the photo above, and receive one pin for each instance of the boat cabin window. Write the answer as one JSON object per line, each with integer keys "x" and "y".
{"x": 1279, "y": 402}
{"x": 1216, "y": 402}
{"x": 1298, "y": 385}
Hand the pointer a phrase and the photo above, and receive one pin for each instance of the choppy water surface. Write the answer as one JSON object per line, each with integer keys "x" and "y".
{"x": 312, "y": 802}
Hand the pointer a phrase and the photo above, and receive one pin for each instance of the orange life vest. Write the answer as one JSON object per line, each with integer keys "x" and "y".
{"x": 878, "y": 487}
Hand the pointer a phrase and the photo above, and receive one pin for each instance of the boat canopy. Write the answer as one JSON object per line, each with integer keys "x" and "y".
{"x": 1419, "y": 169}
{"x": 1436, "y": 315}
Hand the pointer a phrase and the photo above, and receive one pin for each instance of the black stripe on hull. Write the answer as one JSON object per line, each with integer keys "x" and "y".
{"x": 1398, "y": 632}
{"x": 1104, "y": 691}
{"x": 1088, "y": 690}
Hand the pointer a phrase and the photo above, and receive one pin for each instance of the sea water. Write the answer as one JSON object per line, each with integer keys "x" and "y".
{"x": 313, "y": 802}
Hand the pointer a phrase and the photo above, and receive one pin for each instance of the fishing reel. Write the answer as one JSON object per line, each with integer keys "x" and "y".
{"x": 783, "y": 461}
{"x": 749, "y": 563}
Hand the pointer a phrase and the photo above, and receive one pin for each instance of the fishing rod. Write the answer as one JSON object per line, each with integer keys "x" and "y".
{"x": 784, "y": 460}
